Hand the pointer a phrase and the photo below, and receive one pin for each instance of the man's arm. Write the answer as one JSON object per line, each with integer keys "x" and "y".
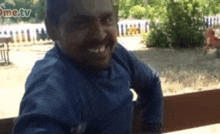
{"x": 146, "y": 83}
{"x": 46, "y": 108}
{"x": 36, "y": 124}
{"x": 150, "y": 105}
{"x": 41, "y": 124}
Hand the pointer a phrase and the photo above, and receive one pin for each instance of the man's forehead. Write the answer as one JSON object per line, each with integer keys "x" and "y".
{"x": 89, "y": 7}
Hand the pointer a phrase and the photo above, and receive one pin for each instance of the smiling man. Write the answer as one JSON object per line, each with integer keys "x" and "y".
{"x": 83, "y": 84}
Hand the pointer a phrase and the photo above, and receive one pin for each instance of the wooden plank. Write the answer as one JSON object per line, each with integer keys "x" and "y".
{"x": 191, "y": 110}
{"x": 6, "y": 125}
{"x": 180, "y": 112}
{"x": 188, "y": 111}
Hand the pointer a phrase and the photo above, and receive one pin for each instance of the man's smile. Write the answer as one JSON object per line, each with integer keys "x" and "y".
{"x": 97, "y": 50}
{"x": 100, "y": 53}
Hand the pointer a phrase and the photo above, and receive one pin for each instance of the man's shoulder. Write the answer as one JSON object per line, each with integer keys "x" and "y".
{"x": 52, "y": 66}
{"x": 121, "y": 53}
{"x": 126, "y": 57}
{"x": 121, "y": 49}
{"x": 49, "y": 64}
{"x": 133, "y": 63}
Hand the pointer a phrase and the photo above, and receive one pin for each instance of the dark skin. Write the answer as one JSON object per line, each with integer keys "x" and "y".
{"x": 87, "y": 24}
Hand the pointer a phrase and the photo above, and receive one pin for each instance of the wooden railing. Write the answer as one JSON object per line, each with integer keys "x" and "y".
{"x": 180, "y": 112}
{"x": 189, "y": 111}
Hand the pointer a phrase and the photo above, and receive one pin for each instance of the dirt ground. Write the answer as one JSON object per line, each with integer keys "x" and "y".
{"x": 13, "y": 76}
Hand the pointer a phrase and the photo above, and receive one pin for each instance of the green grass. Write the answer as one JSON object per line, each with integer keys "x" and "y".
{"x": 183, "y": 69}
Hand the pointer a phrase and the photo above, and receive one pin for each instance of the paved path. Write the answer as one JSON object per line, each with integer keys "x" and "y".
{"x": 25, "y": 57}
{"x": 132, "y": 43}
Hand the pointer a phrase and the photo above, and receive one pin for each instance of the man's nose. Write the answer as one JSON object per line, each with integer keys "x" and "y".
{"x": 98, "y": 31}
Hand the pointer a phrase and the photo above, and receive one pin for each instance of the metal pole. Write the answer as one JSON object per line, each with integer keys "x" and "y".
{"x": 7, "y": 50}
{"x": 218, "y": 51}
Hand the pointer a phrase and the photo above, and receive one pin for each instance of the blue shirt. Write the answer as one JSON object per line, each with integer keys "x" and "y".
{"x": 60, "y": 98}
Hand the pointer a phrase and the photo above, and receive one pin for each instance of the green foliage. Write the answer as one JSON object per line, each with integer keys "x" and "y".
{"x": 209, "y": 7}
{"x": 126, "y": 31}
{"x": 157, "y": 8}
{"x": 157, "y": 2}
{"x": 180, "y": 28}
{"x": 157, "y": 37}
{"x": 145, "y": 36}
{"x": 126, "y": 5}
{"x": 40, "y": 8}
{"x": 153, "y": 12}
{"x": 2, "y": 1}
{"x": 37, "y": 7}
{"x": 187, "y": 19}
{"x": 137, "y": 11}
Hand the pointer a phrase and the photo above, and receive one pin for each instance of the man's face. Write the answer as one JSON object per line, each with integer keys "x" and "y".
{"x": 88, "y": 33}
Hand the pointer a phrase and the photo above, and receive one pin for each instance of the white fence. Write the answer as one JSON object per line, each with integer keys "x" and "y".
{"x": 212, "y": 20}
{"x": 25, "y": 34}
{"x": 29, "y": 34}
{"x": 143, "y": 25}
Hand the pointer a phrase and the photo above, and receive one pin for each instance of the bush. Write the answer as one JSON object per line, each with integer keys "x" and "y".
{"x": 144, "y": 36}
{"x": 180, "y": 29}
{"x": 182, "y": 26}
{"x": 156, "y": 11}
{"x": 137, "y": 11}
{"x": 157, "y": 37}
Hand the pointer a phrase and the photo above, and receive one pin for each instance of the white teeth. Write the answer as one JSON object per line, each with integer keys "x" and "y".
{"x": 102, "y": 49}
{"x": 94, "y": 50}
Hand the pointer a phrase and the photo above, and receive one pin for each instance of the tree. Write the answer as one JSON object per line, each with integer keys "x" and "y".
{"x": 209, "y": 7}
{"x": 40, "y": 8}
{"x": 126, "y": 5}
{"x": 181, "y": 26}
{"x": 137, "y": 11}
{"x": 116, "y": 9}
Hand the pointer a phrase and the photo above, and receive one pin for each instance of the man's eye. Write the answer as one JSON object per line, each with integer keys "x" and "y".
{"x": 74, "y": 26}
{"x": 79, "y": 23}
{"x": 107, "y": 21}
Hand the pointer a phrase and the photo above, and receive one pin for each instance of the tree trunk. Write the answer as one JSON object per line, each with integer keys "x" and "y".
{"x": 116, "y": 7}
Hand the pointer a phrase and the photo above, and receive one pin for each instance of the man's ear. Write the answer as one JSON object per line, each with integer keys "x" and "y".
{"x": 52, "y": 30}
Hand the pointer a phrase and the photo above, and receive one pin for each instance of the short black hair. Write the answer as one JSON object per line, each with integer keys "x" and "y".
{"x": 55, "y": 8}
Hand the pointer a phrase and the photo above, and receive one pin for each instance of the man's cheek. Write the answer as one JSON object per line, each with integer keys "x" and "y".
{"x": 114, "y": 31}
{"x": 114, "y": 35}
{"x": 81, "y": 35}
{"x": 75, "y": 38}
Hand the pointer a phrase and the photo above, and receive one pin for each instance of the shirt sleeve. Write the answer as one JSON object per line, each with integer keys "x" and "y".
{"x": 45, "y": 108}
{"x": 146, "y": 83}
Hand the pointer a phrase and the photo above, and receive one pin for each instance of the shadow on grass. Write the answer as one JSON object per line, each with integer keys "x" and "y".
{"x": 185, "y": 67}
{"x": 166, "y": 59}
{"x": 3, "y": 64}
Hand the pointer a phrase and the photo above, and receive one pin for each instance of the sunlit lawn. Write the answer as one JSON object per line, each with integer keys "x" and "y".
{"x": 183, "y": 69}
